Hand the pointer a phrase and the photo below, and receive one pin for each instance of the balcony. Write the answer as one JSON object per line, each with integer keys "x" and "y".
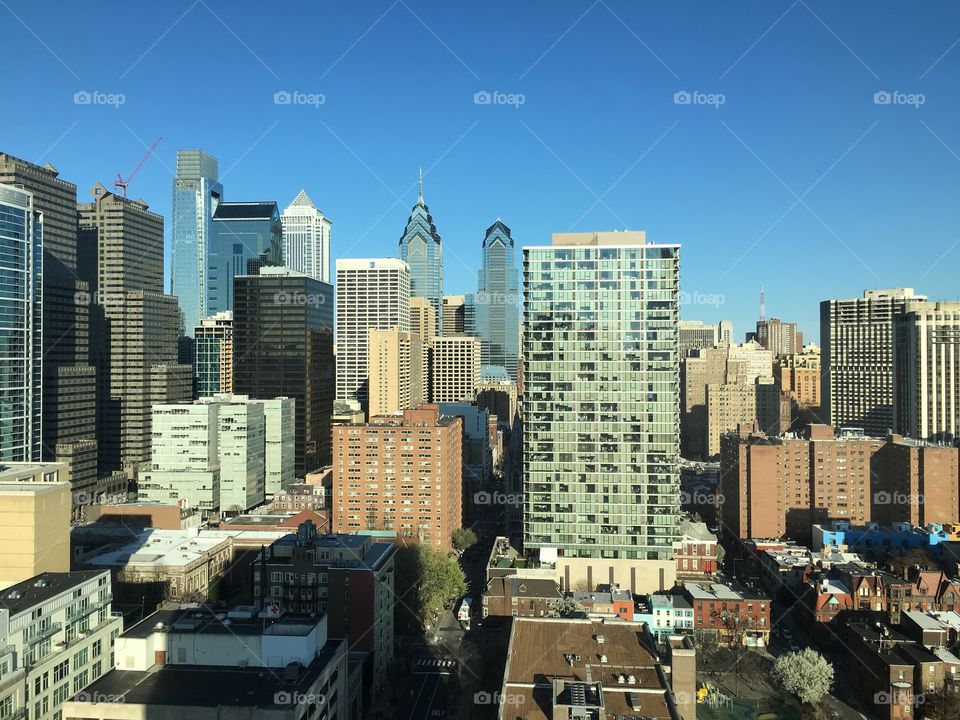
{"x": 43, "y": 634}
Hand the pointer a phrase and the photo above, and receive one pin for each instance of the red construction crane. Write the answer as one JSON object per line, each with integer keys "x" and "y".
{"x": 121, "y": 183}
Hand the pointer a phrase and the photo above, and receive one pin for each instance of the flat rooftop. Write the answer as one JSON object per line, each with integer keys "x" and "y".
{"x": 207, "y": 686}
{"x": 37, "y": 590}
{"x": 201, "y": 620}
{"x": 162, "y": 549}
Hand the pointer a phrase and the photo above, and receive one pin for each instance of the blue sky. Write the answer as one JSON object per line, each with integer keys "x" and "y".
{"x": 783, "y": 171}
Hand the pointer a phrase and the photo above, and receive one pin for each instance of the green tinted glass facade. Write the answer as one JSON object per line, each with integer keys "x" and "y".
{"x": 601, "y": 400}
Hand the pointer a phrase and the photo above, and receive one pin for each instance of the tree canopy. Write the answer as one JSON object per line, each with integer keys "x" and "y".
{"x": 807, "y": 675}
{"x": 462, "y": 538}
{"x": 427, "y": 582}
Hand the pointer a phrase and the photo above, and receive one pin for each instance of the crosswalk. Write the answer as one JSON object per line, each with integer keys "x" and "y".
{"x": 433, "y": 663}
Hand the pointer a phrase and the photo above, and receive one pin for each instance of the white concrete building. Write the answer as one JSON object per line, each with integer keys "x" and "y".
{"x": 306, "y": 238}
{"x": 57, "y": 633}
{"x": 185, "y": 462}
{"x": 226, "y": 452}
{"x": 371, "y": 293}
{"x": 926, "y": 371}
{"x": 189, "y": 662}
{"x": 454, "y": 369}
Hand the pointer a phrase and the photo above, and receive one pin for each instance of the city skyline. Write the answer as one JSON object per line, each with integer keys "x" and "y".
{"x": 715, "y": 182}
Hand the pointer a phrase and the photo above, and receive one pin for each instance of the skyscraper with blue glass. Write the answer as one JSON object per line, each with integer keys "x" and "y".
{"x": 196, "y": 194}
{"x": 21, "y": 337}
{"x": 495, "y": 307}
{"x": 422, "y": 250}
{"x": 245, "y": 237}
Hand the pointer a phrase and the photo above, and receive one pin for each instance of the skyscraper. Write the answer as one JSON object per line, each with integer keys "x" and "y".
{"x": 497, "y": 302}
{"x": 306, "y": 238}
{"x": 371, "y": 293}
{"x": 135, "y": 325}
{"x": 283, "y": 346}
{"x": 926, "y": 370}
{"x": 21, "y": 326}
{"x": 856, "y": 346}
{"x": 196, "y": 194}
{"x": 246, "y": 236}
{"x": 601, "y": 407}
{"x": 69, "y": 380}
{"x": 213, "y": 360}
{"x": 696, "y": 334}
{"x": 422, "y": 250}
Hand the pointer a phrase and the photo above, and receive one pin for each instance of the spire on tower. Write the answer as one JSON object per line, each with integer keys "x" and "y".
{"x": 420, "y": 193}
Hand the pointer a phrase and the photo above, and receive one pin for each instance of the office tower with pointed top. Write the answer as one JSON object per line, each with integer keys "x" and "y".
{"x": 306, "y": 238}
{"x": 496, "y": 305}
{"x": 601, "y": 408}
{"x": 422, "y": 249}
{"x": 196, "y": 194}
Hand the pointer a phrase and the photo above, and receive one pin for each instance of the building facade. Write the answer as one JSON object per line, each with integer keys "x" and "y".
{"x": 135, "y": 326}
{"x": 401, "y": 475}
{"x": 601, "y": 399}
{"x": 497, "y": 301}
{"x": 213, "y": 360}
{"x": 423, "y": 320}
{"x": 57, "y": 634}
{"x": 926, "y": 370}
{"x": 856, "y": 344}
{"x": 453, "y": 309}
{"x": 371, "y": 293}
{"x": 283, "y": 347}
{"x": 397, "y": 371}
{"x": 35, "y": 512}
{"x": 422, "y": 250}
{"x": 196, "y": 194}
{"x": 306, "y": 238}
{"x": 454, "y": 368}
{"x": 69, "y": 380}
{"x": 21, "y": 347}
{"x": 696, "y": 335}
{"x": 245, "y": 237}
{"x": 349, "y": 577}
{"x": 799, "y": 376}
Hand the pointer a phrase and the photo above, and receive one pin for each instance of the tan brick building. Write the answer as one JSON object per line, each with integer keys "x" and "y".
{"x": 775, "y": 486}
{"x": 398, "y": 371}
{"x": 401, "y": 475}
{"x": 798, "y": 375}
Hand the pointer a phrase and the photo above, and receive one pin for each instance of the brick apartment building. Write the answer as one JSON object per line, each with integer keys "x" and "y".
{"x": 400, "y": 474}
{"x": 722, "y": 611}
{"x": 776, "y": 486}
{"x": 348, "y": 577}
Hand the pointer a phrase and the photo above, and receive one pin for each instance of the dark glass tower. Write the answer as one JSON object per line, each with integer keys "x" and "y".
{"x": 246, "y": 236}
{"x": 496, "y": 306}
{"x": 283, "y": 346}
{"x": 422, "y": 250}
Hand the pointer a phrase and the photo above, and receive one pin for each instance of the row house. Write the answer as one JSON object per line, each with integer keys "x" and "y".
{"x": 724, "y": 613}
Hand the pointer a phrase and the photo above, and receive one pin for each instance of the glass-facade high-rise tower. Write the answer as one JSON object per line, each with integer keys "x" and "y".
{"x": 306, "y": 238}
{"x": 601, "y": 399}
{"x": 496, "y": 309}
{"x": 21, "y": 336}
{"x": 422, "y": 250}
{"x": 196, "y": 194}
{"x": 246, "y": 236}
